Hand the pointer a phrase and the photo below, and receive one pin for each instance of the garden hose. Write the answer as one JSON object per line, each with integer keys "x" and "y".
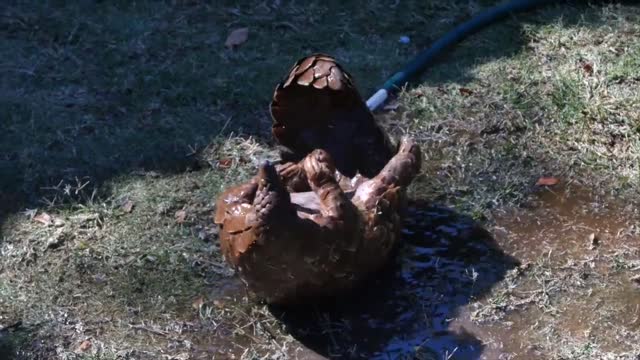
{"x": 426, "y": 57}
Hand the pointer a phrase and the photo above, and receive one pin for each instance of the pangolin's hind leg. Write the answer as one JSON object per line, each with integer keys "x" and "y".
{"x": 398, "y": 173}
{"x": 381, "y": 201}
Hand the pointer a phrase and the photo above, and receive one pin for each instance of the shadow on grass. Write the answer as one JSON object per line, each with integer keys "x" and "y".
{"x": 91, "y": 92}
{"x": 447, "y": 261}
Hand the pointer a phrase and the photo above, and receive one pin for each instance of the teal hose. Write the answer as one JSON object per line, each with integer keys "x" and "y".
{"x": 426, "y": 57}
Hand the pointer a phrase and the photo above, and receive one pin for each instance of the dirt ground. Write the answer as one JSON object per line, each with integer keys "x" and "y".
{"x": 124, "y": 120}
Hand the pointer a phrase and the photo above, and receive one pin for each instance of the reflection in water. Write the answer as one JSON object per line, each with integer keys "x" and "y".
{"x": 405, "y": 311}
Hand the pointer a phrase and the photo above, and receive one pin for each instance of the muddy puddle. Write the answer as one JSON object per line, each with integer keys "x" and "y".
{"x": 566, "y": 222}
{"x": 425, "y": 304}
{"x": 584, "y": 251}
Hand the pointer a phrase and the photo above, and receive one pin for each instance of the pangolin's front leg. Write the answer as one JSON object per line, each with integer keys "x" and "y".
{"x": 244, "y": 211}
{"x": 272, "y": 208}
{"x": 293, "y": 176}
{"x": 398, "y": 173}
{"x": 336, "y": 210}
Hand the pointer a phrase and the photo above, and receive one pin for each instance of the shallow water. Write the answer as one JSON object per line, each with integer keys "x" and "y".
{"x": 576, "y": 234}
{"x": 563, "y": 221}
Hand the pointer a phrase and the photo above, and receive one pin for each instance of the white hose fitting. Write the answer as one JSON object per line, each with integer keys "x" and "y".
{"x": 377, "y": 99}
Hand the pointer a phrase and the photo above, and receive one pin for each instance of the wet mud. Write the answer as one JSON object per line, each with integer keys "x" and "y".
{"x": 421, "y": 306}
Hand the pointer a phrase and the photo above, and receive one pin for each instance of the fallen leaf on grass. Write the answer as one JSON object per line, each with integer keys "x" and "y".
{"x": 180, "y": 216}
{"x": 237, "y": 37}
{"x": 547, "y": 181}
{"x": 84, "y": 346}
{"x": 127, "y": 206}
{"x": 44, "y": 219}
{"x": 588, "y": 68}
{"x": 465, "y": 91}
{"x": 225, "y": 163}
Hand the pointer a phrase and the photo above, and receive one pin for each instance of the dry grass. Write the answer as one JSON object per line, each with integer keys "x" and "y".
{"x": 557, "y": 108}
{"x": 120, "y": 120}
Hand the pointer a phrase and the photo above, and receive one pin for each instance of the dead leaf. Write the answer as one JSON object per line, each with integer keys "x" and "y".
{"x": 198, "y": 302}
{"x": 127, "y": 206}
{"x": 547, "y": 181}
{"x": 225, "y": 163}
{"x": 44, "y": 219}
{"x": 180, "y": 216}
{"x": 465, "y": 91}
{"x": 219, "y": 304}
{"x": 588, "y": 68}
{"x": 237, "y": 37}
{"x": 84, "y": 346}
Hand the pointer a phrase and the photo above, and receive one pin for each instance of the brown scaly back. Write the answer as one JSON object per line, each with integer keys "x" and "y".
{"x": 318, "y": 106}
{"x": 315, "y": 87}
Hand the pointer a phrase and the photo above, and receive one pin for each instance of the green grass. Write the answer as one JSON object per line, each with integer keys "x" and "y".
{"x": 108, "y": 103}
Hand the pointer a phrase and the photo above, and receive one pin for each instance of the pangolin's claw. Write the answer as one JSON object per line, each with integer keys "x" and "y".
{"x": 319, "y": 168}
